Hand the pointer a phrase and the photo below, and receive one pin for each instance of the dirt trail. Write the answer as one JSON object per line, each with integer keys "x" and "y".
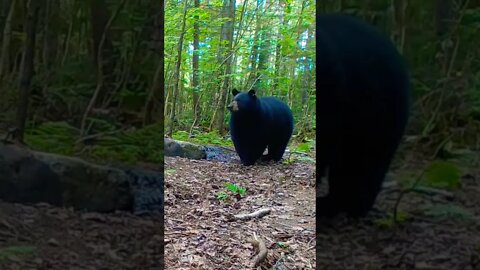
{"x": 200, "y": 235}
{"x": 422, "y": 241}
{"x": 45, "y": 237}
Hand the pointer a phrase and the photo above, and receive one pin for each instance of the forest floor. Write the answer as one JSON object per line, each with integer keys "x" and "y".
{"x": 200, "y": 232}
{"x": 439, "y": 229}
{"x": 50, "y": 238}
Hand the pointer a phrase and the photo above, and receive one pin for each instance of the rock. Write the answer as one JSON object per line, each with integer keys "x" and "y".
{"x": 174, "y": 148}
{"x": 31, "y": 177}
{"x": 193, "y": 151}
{"x": 147, "y": 187}
{"x": 25, "y": 179}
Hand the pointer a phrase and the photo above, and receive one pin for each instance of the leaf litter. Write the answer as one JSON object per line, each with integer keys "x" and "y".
{"x": 41, "y": 236}
{"x": 202, "y": 232}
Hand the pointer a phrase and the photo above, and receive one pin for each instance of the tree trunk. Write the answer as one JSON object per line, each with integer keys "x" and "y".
{"x": 177, "y": 72}
{"x": 99, "y": 18}
{"x": 157, "y": 93}
{"x": 399, "y": 27}
{"x": 100, "y": 76}
{"x": 195, "y": 66}
{"x": 263, "y": 51}
{"x": 227, "y": 35}
{"x": 50, "y": 40}
{"x": 6, "y": 39}
{"x": 27, "y": 68}
{"x": 255, "y": 49}
{"x": 278, "y": 48}
{"x": 443, "y": 18}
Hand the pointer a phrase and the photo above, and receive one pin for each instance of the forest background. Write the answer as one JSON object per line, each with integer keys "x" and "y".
{"x": 96, "y": 69}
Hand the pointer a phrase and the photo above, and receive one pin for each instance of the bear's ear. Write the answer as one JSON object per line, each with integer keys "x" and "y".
{"x": 251, "y": 93}
{"x": 235, "y": 92}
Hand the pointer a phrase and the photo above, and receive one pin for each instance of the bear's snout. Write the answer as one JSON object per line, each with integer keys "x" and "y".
{"x": 233, "y": 106}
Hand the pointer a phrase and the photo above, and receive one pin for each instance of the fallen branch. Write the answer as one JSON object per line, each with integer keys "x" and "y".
{"x": 434, "y": 191}
{"x": 257, "y": 214}
{"x": 259, "y": 245}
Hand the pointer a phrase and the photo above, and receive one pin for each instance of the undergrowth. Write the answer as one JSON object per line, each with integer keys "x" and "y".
{"x": 142, "y": 145}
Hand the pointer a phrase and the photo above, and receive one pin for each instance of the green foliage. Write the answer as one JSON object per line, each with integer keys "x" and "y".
{"x": 53, "y": 137}
{"x": 280, "y": 36}
{"x": 212, "y": 137}
{"x": 232, "y": 188}
{"x": 16, "y": 252}
{"x": 132, "y": 146}
{"x": 222, "y": 196}
{"x": 389, "y": 222}
{"x": 137, "y": 145}
{"x": 305, "y": 146}
{"x": 235, "y": 189}
{"x": 442, "y": 174}
{"x": 170, "y": 172}
{"x": 290, "y": 159}
{"x": 448, "y": 211}
{"x": 282, "y": 244}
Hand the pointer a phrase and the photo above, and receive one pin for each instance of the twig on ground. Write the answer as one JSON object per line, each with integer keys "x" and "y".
{"x": 393, "y": 187}
{"x": 257, "y": 214}
{"x": 261, "y": 248}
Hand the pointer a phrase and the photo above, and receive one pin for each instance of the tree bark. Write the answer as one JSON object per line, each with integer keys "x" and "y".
{"x": 443, "y": 20}
{"x": 255, "y": 48}
{"x": 227, "y": 35}
{"x": 195, "y": 66}
{"x": 177, "y": 72}
{"x": 100, "y": 74}
{"x": 157, "y": 93}
{"x": 99, "y": 18}
{"x": 6, "y": 39}
{"x": 27, "y": 68}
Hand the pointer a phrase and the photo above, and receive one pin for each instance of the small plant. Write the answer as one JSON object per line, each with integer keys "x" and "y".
{"x": 235, "y": 189}
{"x": 441, "y": 174}
{"x": 282, "y": 244}
{"x": 170, "y": 172}
{"x": 303, "y": 147}
{"x": 289, "y": 160}
{"x": 222, "y": 196}
{"x": 388, "y": 222}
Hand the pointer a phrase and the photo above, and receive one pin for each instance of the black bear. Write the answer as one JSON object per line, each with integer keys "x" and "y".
{"x": 362, "y": 111}
{"x": 257, "y": 123}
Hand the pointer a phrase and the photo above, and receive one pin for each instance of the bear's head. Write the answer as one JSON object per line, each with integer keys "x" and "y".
{"x": 243, "y": 102}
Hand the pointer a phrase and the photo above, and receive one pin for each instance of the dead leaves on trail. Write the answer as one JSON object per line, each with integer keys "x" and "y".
{"x": 46, "y": 237}
{"x": 199, "y": 231}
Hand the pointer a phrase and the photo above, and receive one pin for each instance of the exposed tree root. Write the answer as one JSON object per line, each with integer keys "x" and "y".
{"x": 261, "y": 250}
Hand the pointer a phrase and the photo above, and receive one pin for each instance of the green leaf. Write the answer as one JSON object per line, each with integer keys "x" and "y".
{"x": 303, "y": 147}
{"x": 222, "y": 196}
{"x": 170, "y": 172}
{"x": 231, "y": 187}
{"x": 15, "y": 251}
{"x": 442, "y": 174}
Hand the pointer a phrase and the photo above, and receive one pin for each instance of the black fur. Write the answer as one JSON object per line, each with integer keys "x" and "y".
{"x": 362, "y": 112}
{"x": 256, "y": 123}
